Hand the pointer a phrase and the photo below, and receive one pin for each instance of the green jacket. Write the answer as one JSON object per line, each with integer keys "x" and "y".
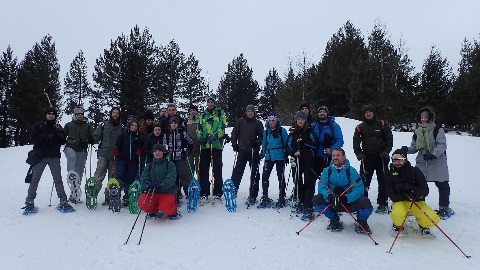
{"x": 161, "y": 171}
{"x": 213, "y": 122}
{"x": 75, "y": 131}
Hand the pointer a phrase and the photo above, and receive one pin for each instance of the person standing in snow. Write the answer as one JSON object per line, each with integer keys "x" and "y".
{"x": 246, "y": 141}
{"x": 145, "y": 129}
{"x": 404, "y": 182}
{"x": 372, "y": 143}
{"x": 47, "y": 137}
{"x": 431, "y": 144}
{"x": 191, "y": 126}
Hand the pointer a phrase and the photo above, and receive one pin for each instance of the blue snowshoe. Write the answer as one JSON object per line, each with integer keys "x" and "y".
{"x": 193, "y": 195}
{"x": 29, "y": 209}
{"x": 65, "y": 207}
{"x": 230, "y": 194}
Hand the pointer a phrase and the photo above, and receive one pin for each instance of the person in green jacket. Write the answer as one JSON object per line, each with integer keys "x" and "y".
{"x": 159, "y": 186}
{"x": 210, "y": 132}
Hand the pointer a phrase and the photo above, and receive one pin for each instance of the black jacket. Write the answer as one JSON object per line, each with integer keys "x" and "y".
{"x": 47, "y": 137}
{"x": 246, "y": 133}
{"x": 374, "y": 138}
{"x": 307, "y": 145}
{"x": 127, "y": 144}
{"x": 395, "y": 179}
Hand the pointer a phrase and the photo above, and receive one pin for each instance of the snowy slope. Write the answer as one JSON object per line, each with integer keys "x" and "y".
{"x": 216, "y": 239}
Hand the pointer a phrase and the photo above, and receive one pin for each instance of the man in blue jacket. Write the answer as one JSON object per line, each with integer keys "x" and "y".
{"x": 335, "y": 179}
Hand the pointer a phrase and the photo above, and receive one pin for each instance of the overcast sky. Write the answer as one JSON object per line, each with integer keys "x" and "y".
{"x": 268, "y": 33}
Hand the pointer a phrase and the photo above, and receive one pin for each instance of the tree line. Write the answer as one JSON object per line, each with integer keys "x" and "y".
{"x": 135, "y": 73}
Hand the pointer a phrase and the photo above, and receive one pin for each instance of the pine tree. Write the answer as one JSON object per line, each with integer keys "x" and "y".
{"x": 192, "y": 86}
{"x": 288, "y": 97}
{"x": 169, "y": 69}
{"x": 77, "y": 88}
{"x": 8, "y": 75}
{"x": 237, "y": 89}
{"x": 268, "y": 101}
{"x": 38, "y": 76}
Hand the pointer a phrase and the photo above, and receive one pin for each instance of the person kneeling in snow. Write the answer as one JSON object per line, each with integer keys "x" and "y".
{"x": 402, "y": 183}
{"x": 160, "y": 186}
{"x": 340, "y": 189}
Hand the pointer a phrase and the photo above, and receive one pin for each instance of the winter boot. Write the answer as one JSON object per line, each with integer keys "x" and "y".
{"x": 265, "y": 202}
{"x": 335, "y": 225}
{"x": 251, "y": 201}
{"x": 65, "y": 207}
{"x": 280, "y": 202}
{"x": 307, "y": 214}
{"x": 365, "y": 226}
{"x": 381, "y": 209}
{"x": 395, "y": 230}
{"x": 174, "y": 216}
{"x": 426, "y": 233}
{"x": 445, "y": 212}
{"x": 29, "y": 208}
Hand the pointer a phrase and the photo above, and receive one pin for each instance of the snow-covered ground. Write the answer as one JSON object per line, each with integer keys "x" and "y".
{"x": 212, "y": 238}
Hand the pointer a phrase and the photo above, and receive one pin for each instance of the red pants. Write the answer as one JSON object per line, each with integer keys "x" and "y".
{"x": 160, "y": 202}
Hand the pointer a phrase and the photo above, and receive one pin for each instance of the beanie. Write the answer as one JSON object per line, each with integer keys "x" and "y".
{"x": 399, "y": 151}
{"x": 250, "y": 108}
{"x": 158, "y": 147}
{"x": 78, "y": 110}
{"x": 174, "y": 118}
{"x": 272, "y": 116}
{"x": 300, "y": 114}
{"x": 211, "y": 98}
{"x": 51, "y": 110}
{"x": 192, "y": 107}
{"x": 323, "y": 107}
{"x": 149, "y": 115}
{"x": 303, "y": 106}
{"x": 369, "y": 108}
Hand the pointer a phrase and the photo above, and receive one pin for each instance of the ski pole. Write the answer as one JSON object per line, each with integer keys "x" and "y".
{"x": 146, "y": 196}
{"x": 213, "y": 174}
{"x": 436, "y": 225}
{"x": 146, "y": 215}
{"x": 401, "y": 227}
{"x": 319, "y": 214}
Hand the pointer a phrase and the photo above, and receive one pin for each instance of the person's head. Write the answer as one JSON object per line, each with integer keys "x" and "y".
{"x": 322, "y": 113}
{"x": 133, "y": 125}
{"x": 250, "y": 111}
{"x": 210, "y": 103}
{"x": 158, "y": 150}
{"x": 171, "y": 109}
{"x": 399, "y": 158}
{"x": 272, "y": 120}
{"x": 115, "y": 114}
{"x": 300, "y": 118}
{"x": 192, "y": 110}
{"x": 338, "y": 156}
{"x": 79, "y": 113}
{"x": 174, "y": 122}
{"x": 368, "y": 111}
{"x": 50, "y": 114}
{"x": 149, "y": 116}
{"x": 163, "y": 112}
{"x": 305, "y": 108}
{"x": 157, "y": 129}
{"x": 425, "y": 115}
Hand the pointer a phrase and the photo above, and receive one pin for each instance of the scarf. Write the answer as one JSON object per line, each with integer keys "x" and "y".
{"x": 423, "y": 139}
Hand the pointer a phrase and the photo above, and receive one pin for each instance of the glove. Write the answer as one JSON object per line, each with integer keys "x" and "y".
{"x": 342, "y": 199}
{"x": 153, "y": 185}
{"x": 404, "y": 149}
{"x": 331, "y": 199}
{"x": 201, "y": 140}
{"x": 429, "y": 156}
{"x": 361, "y": 156}
{"x": 139, "y": 152}
{"x": 261, "y": 156}
{"x": 292, "y": 161}
{"x": 115, "y": 152}
{"x": 235, "y": 147}
{"x": 211, "y": 137}
{"x": 254, "y": 144}
{"x": 384, "y": 155}
{"x": 338, "y": 190}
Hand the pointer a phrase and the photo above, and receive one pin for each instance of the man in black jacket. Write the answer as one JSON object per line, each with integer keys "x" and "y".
{"x": 47, "y": 137}
{"x": 404, "y": 182}
{"x": 376, "y": 139}
{"x": 246, "y": 140}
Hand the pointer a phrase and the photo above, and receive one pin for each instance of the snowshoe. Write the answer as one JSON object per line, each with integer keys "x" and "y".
{"x": 29, "y": 209}
{"x": 193, "y": 195}
{"x": 445, "y": 213}
{"x": 217, "y": 199}
{"x": 204, "y": 200}
{"x": 230, "y": 194}
{"x": 395, "y": 229}
{"x": 251, "y": 201}
{"x": 364, "y": 224}
{"x": 134, "y": 192}
{"x": 307, "y": 214}
{"x": 381, "y": 209}
{"x": 335, "y": 225}
{"x": 156, "y": 215}
{"x": 265, "y": 202}
{"x": 175, "y": 216}
{"x": 280, "y": 203}
{"x": 113, "y": 191}
{"x": 92, "y": 188}
{"x": 74, "y": 183}
{"x": 65, "y": 207}
{"x": 426, "y": 233}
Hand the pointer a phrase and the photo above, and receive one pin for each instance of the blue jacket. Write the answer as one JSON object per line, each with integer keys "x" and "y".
{"x": 340, "y": 179}
{"x": 273, "y": 143}
{"x": 321, "y": 129}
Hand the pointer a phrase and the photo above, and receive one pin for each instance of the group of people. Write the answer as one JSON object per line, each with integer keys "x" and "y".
{"x": 166, "y": 153}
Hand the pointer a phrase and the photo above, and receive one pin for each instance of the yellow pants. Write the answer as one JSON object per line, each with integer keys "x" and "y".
{"x": 399, "y": 210}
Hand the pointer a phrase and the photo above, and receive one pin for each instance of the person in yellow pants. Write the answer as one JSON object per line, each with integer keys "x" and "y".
{"x": 402, "y": 183}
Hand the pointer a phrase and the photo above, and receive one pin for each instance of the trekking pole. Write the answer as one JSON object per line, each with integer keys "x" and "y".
{"x": 436, "y": 225}
{"x": 213, "y": 176}
{"x": 401, "y": 227}
{"x": 146, "y": 196}
{"x": 51, "y": 192}
{"x": 319, "y": 214}
{"x": 146, "y": 215}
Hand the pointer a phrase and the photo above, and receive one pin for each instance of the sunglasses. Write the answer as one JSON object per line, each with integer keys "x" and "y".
{"x": 51, "y": 113}
{"x": 79, "y": 113}
{"x": 398, "y": 159}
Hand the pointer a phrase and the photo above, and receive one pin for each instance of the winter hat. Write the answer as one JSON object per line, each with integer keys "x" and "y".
{"x": 402, "y": 153}
{"x": 303, "y": 106}
{"x": 369, "y": 108}
{"x": 50, "y": 110}
{"x": 149, "y": 114}
{"x": 78, "y": 110}
{"x": 211, "y": 98}
{"x": 323, "y": 107}
{"x": 174, "y": 119}
{"x": 159, "y": 147}
{"x": 250, "y": 108}
{"x": 272, "y": 116}
{"x": 130, "y": 118}
{"x": 300, "y": 114}
{"x": 193, "y": 107}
